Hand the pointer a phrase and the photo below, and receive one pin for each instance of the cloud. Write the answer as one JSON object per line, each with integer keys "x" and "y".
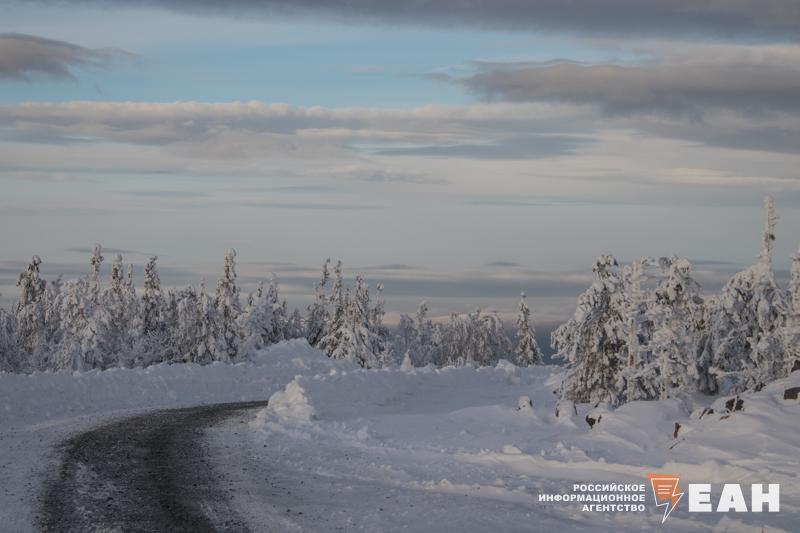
{"x": 555, "y": 115}
{"x": 169, "y": 195}
{"x": 236, "y": 130}
{"x": 538, "y": 150}
{"x": 392, "y": 266}
{"x": 28, "y": 58}
{"x": 688, "y": 81}
{"x": 159, "y": 123}
{"x": 380, "y": 176}
{"x": 310, "y": 189}
{"x": 41, "y": 177}
{"x": 766, "y": 19}
{"x": 67, "y": 210}
{"x": 503, "y": 264}
{"x": 542, "y": 202}
{"x": 312, "y": 206}
{"x": 516, "y": 147}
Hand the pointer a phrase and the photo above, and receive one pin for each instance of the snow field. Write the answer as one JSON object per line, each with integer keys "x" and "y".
{"x": 472, "y": 433}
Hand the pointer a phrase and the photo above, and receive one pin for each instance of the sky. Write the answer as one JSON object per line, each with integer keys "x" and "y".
{"x": 457, "y": 151}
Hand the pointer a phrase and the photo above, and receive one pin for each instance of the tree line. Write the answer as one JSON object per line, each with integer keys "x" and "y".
{"x": 644, "y": 331}
{"x": 83, "y": 324}
{"x": 641, "y": 331}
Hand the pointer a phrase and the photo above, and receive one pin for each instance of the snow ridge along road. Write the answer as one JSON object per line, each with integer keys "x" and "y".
{"x": 149, "y": 472}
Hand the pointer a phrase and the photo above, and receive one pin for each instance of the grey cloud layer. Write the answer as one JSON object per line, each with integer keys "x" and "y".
{"x": 521, "y": 131}
{"x": 774, "y": 19}
{"x": 26, "y": 57}
{"x": 512, "y": 147}
{"x": 734, "y": 96}
{"x": 238, "y": 130}
{"x": 752, "y": 86}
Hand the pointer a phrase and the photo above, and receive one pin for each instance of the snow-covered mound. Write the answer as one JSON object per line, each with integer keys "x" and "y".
{"x": 492, "y": 434}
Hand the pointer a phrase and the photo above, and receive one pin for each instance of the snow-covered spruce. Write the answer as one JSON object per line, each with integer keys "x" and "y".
{"x": 792, "y": 329}
{"x": 527, "y": 351}
{"x": 746, "y": 324}
{"x": 352, "y": 332}
{"x": 318, "y": 310}
{"x": 665, "y": 330}
{"x": 594, "y": 342}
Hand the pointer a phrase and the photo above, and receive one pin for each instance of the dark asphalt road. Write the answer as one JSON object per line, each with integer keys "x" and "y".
{"x": 147, "y": 473}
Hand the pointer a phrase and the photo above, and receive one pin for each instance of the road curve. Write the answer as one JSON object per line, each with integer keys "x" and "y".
{"x": 147, "y": 473}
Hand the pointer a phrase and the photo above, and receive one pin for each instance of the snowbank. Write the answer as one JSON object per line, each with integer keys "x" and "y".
{"x": 491, "y": 434}
{"x": 27, "y": 400}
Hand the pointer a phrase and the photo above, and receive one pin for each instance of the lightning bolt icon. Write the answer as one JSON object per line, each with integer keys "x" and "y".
{"x": 665, "y": 491}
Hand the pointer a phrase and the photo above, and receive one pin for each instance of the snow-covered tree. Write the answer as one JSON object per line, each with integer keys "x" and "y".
{"x": 210, "y": 343}
{"x": 117, "y": 280}
{"x": 665, "y": 330}
{"x": 677, "y": 316}
{"x": 527, "y": 351}
{"x": 9, "y": 361}
{"x": 792, "y": 330}
{"x": 134, "y": 326}
{"x": 475, "y": 339}
{"x": 30, "y": 313}
{"x": 370, "y": 341}
{"x": 152, "y": 305}
{"x": 338, "y": 340}
{"x": 295, "y": 326}
{"x": 94, "y": 356}
{"x": 95, "y": 262}
{"x": 416, "y": 339}
{"x": 75, "y": 338}
{"x": 186, "y": 333}
{"x": 114, "y": 334}
{"x": 594, "y": 341}
{"x": 318, "y": 310}
{"x": 403, "y": 344}
{"x": 337, "y": 319}
{"x": 426, "y": 348}
{"x": 379, "y": 310}
{"x": 169, "y": 316}
{"x": 350, "y": 333}
{"x": 257, "y": 322}
{"x": 746, "y": 345}
{"x": 228, "y": 310}
{"x": 493, "y": 341}
{"x": 53, "y": 329}
{"x": 78, "y": 309}
{"x": 123, "y": 311}
{"x": 639, "y": 377}
{"x": 279, "y": 313}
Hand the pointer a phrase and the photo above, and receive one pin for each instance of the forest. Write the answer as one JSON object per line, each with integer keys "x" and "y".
{"x": 641, "y": 331}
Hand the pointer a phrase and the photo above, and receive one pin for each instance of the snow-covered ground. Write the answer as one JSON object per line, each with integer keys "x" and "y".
{"x": 451, "y": 450}
{"x": 39, "y": 411}
{"x": 415, "y": 449}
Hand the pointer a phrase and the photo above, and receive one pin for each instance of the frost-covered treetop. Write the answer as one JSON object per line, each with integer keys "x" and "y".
{"x": 768, "y": 240}
{"x": 96, "y": 260}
